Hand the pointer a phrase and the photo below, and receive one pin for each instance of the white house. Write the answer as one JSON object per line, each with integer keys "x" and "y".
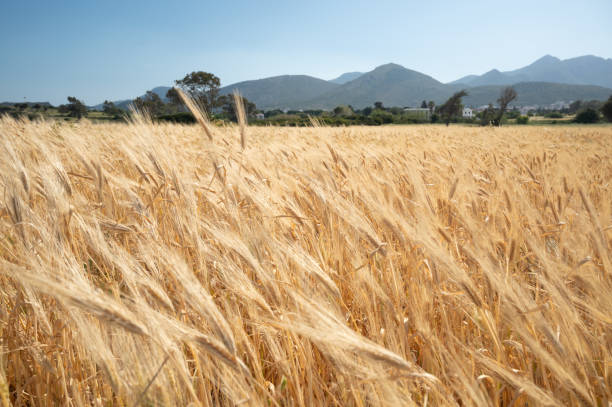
{"x": 468, "y": 113}
{"x": 259, "y": 116}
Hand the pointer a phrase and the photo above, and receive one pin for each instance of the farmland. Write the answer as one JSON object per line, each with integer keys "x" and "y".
{"x": 164, "y": 264}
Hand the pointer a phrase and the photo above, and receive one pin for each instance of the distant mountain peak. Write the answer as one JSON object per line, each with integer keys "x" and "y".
{"x": 346, "y": 77}
{"x": 388, "y": 67}
{"x": 549, "y": 57}
{"x": 582, "y": 70}
{"x": 546, "y": 59}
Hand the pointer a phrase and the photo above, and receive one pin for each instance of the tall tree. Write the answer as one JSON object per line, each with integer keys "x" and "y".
{"x": 202, "y": 87}
{"x": 151, "y": 103}
{"x": 75, "y": 108}
{"x": 378, "y": 105}
{"x": 228, "y": 105}
{"x": 431, "y": 106}
{"x": 174, "y": 99}
{"x": 507, "y": 95}
{"x": 423, "y": 105}
{"x": 575, "y": 106}
{"x": 111, "y": 109}
{"x": 452, "y": 107}
{"x": 487, "y": 116}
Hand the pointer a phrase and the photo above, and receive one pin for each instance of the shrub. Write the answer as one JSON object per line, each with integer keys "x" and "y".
{"x": 522, "y": 120}
{"x": 382, "y": 117}
{"x": 183, "y": 117}
{"x": 587, "y": 116}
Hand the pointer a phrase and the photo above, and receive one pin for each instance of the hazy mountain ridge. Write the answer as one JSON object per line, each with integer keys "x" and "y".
{"x": 278, "y": 92}
{"x": 583, "y": 70}
{"x": 395, "y": 85}
{"x": 391, "y": 84}
{"x": 124, "y": 103}
{"x": 545, "y": 81}
{"x": 536, "y": 93}
{"x": 346, "y": 77}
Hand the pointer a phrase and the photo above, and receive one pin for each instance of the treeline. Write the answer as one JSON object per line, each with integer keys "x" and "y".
{"x": 203, "y": 89}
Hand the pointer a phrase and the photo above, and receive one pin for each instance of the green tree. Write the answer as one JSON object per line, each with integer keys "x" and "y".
{"x": 228, "y": 106}
{"x": 111, "y": 109}
{"x": 202, "y": 87}
{"x": 487, "y": 116}
{"x": 343, "y": 110}
{"x": 587, "y": 116}
{"x": 431, "y": 105}
{"x": 452, "y": 107}
{"x": 378, "y": 105}
{"x": 575, "y": 106}
{"x": 423, "y": 105}
{"x": 507, "y": 95}
{"x": 382, "y": 116}
{"x": 606, "y": 109}
{"x": 174, "y": 98}
{"x": 151, "y": 103}
{"x": 74, "y": 108}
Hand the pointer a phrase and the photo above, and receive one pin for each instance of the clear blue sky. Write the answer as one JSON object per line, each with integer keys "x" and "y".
{"x": 109, "y": 49}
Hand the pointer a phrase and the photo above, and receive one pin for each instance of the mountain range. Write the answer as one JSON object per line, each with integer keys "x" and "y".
{"x": 545, "y": 81}
{"x": 585, "y": 70}
{"x": 346, "y": 77}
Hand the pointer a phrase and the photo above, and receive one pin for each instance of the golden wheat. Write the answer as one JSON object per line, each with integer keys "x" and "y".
{"x": 158, "y": 264}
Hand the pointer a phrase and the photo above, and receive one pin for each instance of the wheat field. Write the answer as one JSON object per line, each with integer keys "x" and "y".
{"x": 160, "y": 264}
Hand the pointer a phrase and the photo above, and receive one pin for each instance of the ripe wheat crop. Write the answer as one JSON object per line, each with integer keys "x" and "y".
{"x": 155, "y": 264}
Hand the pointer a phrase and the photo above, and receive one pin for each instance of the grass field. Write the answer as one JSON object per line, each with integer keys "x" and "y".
{"x": 155, "y": 264}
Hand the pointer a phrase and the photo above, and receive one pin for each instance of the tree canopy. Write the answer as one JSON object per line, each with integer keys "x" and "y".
{"x": 506, "y": 96}
{"x": 74, "y": 108}
{"x": 452, "y": 107}
{"x": 587, "y": 116}
{"x": 111, "y": 109}
{"x": 202, "y": 86}
{"x": 151, "y": 103}
{"x": 228, "y": 106}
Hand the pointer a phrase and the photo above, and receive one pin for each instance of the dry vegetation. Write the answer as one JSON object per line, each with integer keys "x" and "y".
{"x": 149, "y": 264}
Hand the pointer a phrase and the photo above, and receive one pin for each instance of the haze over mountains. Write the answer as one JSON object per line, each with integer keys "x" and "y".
{"x": 585, "y": 70}
{"x": 279, "y": 91}
{"x": 391, "y": 84}
{"x": 546, "y": 81}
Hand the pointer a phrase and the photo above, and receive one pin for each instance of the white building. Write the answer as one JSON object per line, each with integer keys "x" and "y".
{"x": 468, "y": 113}
{"x": 259, "y": 116}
